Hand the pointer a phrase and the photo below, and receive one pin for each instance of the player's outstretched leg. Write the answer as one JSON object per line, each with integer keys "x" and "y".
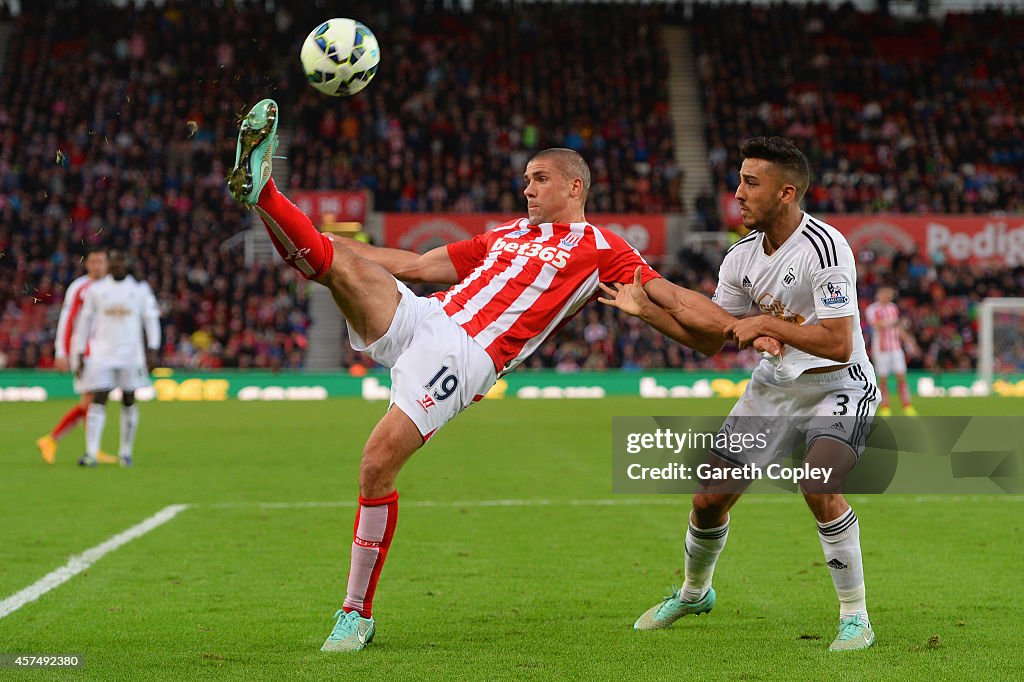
{"x": 249, "y": 182}
{"x": 257, "y": 142}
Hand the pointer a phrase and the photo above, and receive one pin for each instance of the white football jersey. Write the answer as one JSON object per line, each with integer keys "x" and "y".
{"x": 112, "y": 321}
{"x": 811, "y": 277}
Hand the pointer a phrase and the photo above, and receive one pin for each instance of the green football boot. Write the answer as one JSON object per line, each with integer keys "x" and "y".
{"x": 671, "y": 609}
{"x": 352, "y": 632}
{"x": 854, "y": 634}
{"x": 257, "y": 142}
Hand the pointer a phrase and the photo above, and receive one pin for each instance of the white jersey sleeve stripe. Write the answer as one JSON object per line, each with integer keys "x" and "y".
{"x": 602, "y": 243}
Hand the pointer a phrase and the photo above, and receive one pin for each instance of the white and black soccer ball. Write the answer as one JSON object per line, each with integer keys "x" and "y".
{"x": 340, "y": 57}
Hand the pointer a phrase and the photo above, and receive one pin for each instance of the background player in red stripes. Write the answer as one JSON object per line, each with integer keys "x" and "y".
{"x": 95, "y": 269}
{"x": 887, "y": 339}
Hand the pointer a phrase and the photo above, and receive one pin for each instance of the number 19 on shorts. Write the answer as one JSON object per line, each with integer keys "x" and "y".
{"x": 440, "y": 387}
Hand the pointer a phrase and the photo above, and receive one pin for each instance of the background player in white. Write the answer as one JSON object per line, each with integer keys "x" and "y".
{"x": 887, "y": 339}
{"x": 117, "y": 309}
{"x": 63, "y": 359}
{"x": 800, "y": 273}
{"x": 512, "y": 287}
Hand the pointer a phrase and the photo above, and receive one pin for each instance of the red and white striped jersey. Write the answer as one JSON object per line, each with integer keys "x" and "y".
{"x": 74, "y": 295}
{"x": 520, "y": 282}
{"x": 887, "y": 338}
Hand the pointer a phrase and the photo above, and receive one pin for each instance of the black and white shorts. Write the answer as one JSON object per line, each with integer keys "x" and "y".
{"x": 839, "y": 405}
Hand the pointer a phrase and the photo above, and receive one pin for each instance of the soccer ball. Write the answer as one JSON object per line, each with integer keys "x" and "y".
{"x": 340, "y": 57}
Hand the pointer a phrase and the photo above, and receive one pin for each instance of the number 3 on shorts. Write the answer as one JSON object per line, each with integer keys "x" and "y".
{"x": 446, "y": 386}
{"x": 841, "y": 400}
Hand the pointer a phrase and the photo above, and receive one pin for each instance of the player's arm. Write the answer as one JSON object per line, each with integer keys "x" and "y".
{"x": 831, "y": 338}
{"x": 61, "y": 351}
{"x": 690, "y": 309}
{"x": 434, "y": 266}
{"x": 907, "y": 338}
{"x": 151, "y": 327}
{"x": 83, "y": 329}
{"x": 633, "y": 300}
{"x": 835, "y": 305}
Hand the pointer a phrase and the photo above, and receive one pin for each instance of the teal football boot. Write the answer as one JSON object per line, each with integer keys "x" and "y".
{"x": 257, "y": 142}
{"x": 352, "y": 632}
{"x": 672, "y": 608}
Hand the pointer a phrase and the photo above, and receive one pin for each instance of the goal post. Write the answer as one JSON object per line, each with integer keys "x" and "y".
{"x": 1000, "y": 338}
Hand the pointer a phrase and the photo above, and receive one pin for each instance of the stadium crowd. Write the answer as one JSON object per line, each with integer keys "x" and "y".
{"x": 116, "y": 126}
{"x": 115, "y": 130}
{"x": 463, "y": 100}
{"x": 894, "y": 115}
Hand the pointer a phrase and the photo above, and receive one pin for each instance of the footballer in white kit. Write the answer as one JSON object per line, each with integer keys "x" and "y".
{"x": 116, "y": 311}
{"x": 811, "y": 277}
{"x": 799, "y": 274}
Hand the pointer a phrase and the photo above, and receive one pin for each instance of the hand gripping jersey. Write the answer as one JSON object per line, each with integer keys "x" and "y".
{"x": 520, "y": 282}
{"x": 112, "y": 321}
{"x": 811, "y": 277}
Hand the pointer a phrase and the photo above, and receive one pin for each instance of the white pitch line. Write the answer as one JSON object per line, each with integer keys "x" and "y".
{"x": 80, "y": 562}
{"x": 660, "y": 500}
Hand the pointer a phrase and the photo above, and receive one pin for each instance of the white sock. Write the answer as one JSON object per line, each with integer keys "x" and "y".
{"x": 95, "y": 420}
{"x": 703, "y": 545}
{"x": 129, "y": 425}
{"x": 840, "y": 540}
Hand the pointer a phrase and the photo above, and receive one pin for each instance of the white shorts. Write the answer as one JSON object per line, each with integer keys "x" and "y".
{"x": 106, "y": 375}
{"x": 837, "y": 405}
{"x": 889, "y": 362}
{"x": 437, "y": 370}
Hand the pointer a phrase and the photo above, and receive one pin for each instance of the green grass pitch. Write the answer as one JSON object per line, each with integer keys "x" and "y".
{"x": 539, "y": 588}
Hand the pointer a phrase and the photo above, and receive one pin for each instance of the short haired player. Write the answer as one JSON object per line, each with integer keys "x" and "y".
{"x": 116, "y": 312}
{"x": 887, "y": 339}
{"x": 511, "y": 288}
{"x": 96, "y": 265}
{"x": 799, "y": 274}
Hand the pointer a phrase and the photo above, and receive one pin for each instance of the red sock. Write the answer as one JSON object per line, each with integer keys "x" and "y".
{"x": 67, "y": 422}
{"x": 299, "y": 243}
{"x": 375, "y": 526}
{"x": 905, "y": 394}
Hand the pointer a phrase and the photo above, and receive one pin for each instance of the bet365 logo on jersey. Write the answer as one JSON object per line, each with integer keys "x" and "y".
{"x": 549, "y": 254}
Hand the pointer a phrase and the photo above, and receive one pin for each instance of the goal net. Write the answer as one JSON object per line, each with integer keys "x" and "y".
{"x": 1000, "y": 339}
